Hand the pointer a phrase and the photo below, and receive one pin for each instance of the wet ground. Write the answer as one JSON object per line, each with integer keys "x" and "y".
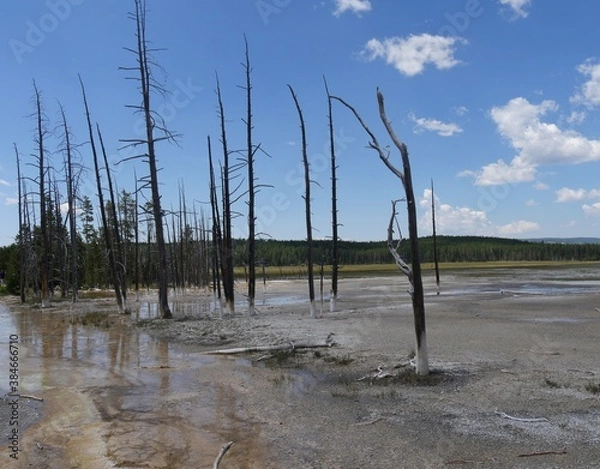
{"x": 117, "y": 397}
{"x": 120, "y": 395}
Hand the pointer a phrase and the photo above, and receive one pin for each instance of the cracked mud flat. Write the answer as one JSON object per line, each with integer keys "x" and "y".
{"x": 521, "y": 344}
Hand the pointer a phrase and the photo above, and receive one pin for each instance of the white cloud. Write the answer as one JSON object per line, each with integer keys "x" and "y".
{"x": 570, "y": 195}
{"x": 355, "y": 6}
{"x": 517, "y": 7}
{"x": 460, "y": 110}
{"x": 541, "y": 186}
{"x": 576, "y": 117}
{"x": 433, "y": 125}
{"x": 3, "y": 182}
{"x": 451, "y": 220}
{"x": 537, "y": 142}
{"x": 589, "y": 93}
{"x": 411, "y": 55}
{"x": 532, "y": 203}
{"x": 592, "y": 210}
{"x": 11, "y": 201}
{"x": 566, "y": 194}
{"x": 518, "y": 227}
{"x": 454, "y": 220}
{"x": 500, "y": 172}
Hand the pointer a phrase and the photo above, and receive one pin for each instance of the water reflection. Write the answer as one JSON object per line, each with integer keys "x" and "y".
{"x": 155, "y": 404}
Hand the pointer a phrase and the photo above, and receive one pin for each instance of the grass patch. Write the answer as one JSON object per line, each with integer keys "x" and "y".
{"x": 283, "y": 358}
{"x": 343, "y": 361}
{"x": 593, "y": 388}
{"x": 359, "y": 270}
{"x": 408, "y": 377}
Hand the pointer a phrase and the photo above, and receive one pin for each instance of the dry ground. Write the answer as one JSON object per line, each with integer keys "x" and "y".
{"x": 514, "y": 384}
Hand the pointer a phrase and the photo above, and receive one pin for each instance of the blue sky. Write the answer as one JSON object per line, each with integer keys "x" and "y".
{"x": 497, "y": 100}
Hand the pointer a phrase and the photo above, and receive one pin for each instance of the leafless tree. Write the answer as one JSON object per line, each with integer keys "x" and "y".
{"x": 44, "y": 255}
{"x": 307, "y": 181}
{"x": 227, "y": 246}
{"x": 334, "y": 210}
{"x": 154, "y": 124}
{"x": 250, "y": 152}
{"x": 22, "y": 254}
{"x": 434, "y": 239}
{"x": 100, "y": 193}
{"x": 120, "y": 263}
{"x": 217, "y": 239}
{"x": 71, "y": 206}
{"x": 413, "y": 272}
{"x": 136, "y": 231}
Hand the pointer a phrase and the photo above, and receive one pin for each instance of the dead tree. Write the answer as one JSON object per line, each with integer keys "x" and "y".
{"x": 45, "y": 241}
{"x": 136, "y": 231}
{"x": 72, "y": 207}
{"x": 434, "y": 239}
{"x": 414, "y": 271}
{"x": 22, "y": 256}
{"x": 120, "y": 263}
{"x": 227, "y": 273}
{"x": 217, "y": 241}
{"x": 334, "y": 211}
{"x": 105, "y": 228}
{"x": 309, "y": 240}
{"x": 250, "y": 152}
{"x": 153, "y": 124}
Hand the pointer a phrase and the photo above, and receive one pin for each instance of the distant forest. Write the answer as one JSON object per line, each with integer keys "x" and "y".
{"x": 190, "y": 260}
{"x": 450, "y": 249}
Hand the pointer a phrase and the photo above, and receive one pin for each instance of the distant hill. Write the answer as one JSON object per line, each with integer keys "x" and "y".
{"x": 565, "y": 240}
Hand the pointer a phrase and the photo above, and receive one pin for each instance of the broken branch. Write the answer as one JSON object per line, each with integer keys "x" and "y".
{"x": 267, "y": 348}
{"x": 33, "y": 398}
{"x": 541, "y": 453}
{"x": 519, "y": 419}
{"x": 224, "y": 450}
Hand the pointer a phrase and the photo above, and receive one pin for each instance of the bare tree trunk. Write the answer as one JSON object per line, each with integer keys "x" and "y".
{"x": 116, "y": 232}
{"x": 414, "y": 272}
{"x": 22, "y": 256}
{"x": 216, "y": 233}
{"x": 309, "y": 254}
{"x": 250, "y": 151}
{"x": 136, "y": 230}
{"x": 434, "y": 237}
{"x": 107, "y": 238}
{"x": 153, "y": 122}
{"x": 227, "y": 252}
{"x": 45, "y": 251}
{"x": 60, "y": 248}
{"x": 72, "y": 210}
{"x": 334, "y": 211}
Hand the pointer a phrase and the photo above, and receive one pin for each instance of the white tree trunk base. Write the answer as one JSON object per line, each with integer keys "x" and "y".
{"x": 332, "y": 303}
{"x": 313, "y": 310}
{"x": 422, "y": 360}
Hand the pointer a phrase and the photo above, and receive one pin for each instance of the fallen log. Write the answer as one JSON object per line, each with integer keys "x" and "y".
{"x": 519, "y": 419}
{"x": 268, "y": 348}
{"x": 33, "y": 398}
{"x": 542, "y": 453}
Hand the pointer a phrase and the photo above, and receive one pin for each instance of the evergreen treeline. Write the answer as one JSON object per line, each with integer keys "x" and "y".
{"x": 94, "y": 270}
{"x": 450, "y": 249}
